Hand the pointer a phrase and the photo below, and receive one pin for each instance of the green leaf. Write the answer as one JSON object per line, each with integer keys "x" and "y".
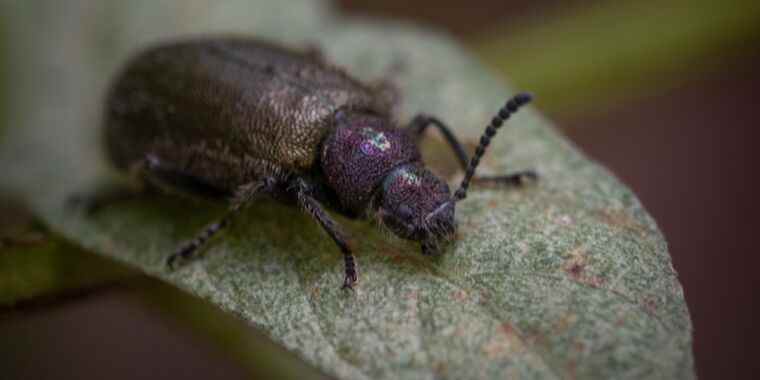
{"x": 34, "y": 263}
{"x": 50, "y": 266}
{"x": 568, "y": 278}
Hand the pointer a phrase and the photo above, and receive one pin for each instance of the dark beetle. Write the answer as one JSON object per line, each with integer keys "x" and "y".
{"x": 236, "y": 118}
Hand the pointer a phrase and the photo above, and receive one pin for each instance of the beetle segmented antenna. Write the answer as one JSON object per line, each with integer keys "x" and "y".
{"x": 504, "y": 113}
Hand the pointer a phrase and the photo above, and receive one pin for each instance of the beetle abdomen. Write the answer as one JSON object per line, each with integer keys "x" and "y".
{"x": 227, "y": 110}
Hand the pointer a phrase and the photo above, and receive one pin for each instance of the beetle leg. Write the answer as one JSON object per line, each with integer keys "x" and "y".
{"x": 149, "y": 175}
{"x": 243, "y": 197}
{"x": 92, "y": 201}
{"x": 515, "y": 179}
{"x": 134, "y": 187}
{"x": 160, "y": 175}
{"x": 314, "y": 208}
{"x": 421, "y": 122}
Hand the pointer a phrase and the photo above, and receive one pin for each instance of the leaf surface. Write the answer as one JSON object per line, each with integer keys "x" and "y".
{"x": 567, "y": 278}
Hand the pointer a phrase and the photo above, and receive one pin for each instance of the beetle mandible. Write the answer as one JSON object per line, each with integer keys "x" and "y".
{"x": 234, "y": 119}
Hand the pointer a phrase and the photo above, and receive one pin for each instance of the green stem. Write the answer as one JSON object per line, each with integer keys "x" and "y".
{"x": 617, "y": 50}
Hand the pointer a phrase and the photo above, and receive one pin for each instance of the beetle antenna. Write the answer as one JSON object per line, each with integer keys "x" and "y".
{"x": 504, "y": 113}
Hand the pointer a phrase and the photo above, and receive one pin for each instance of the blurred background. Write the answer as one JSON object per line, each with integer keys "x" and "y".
{"x": 661, "y": 92}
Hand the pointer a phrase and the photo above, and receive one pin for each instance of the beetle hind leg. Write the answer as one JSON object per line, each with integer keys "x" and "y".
{"x": 146, "y": 176}
{"x": 157, "y": 174}
{"x": 133, "y": 187}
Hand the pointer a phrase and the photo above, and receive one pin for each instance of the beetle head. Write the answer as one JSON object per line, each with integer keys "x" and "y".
{"x": 416, "y": 205}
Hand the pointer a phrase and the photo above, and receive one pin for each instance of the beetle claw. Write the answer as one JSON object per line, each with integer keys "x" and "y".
{"x": 171, "y": 262}
{"x": 349, "y": 281}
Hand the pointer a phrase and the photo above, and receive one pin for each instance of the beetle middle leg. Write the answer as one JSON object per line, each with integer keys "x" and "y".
{"x": 417, "y": 129}
{"x": 243, "y": 197}
{"x": 133, "y": 187}
{"x": 315, "y": 209}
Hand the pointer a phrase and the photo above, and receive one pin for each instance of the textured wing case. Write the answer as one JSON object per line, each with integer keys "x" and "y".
{"x": 228, "y": 111}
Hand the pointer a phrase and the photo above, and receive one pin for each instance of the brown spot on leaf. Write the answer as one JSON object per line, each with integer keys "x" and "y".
{"x": 575, "y": 269}
{"x": 564, "y": 323}
{"x": 398, "y": 258}
{"x": 535, "y": 337}
{"x": 506, "y": 343}
{"x": 576, "y": 262}
{"x": 484, "y": 297}
{"x": 650, "y": 305}
{"x": 459, "y": 295}
{"x": 506, "y": 328}
{"x": 621, "y": 219}
{"x": 495, "y": 349}
{"x": 440, "y": 368}
{"x": 571, "y": 368}
{"x": 413, "y": 295}
{"x": 575, "y": 266}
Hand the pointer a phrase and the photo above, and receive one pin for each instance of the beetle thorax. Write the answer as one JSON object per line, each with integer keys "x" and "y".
{"x": 359, "y": 154}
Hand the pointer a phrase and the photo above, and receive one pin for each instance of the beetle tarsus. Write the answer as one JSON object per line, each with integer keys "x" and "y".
{"x": 171, "y": 262}
{"x": 516, "y": 179}
{"x": 349, "y": 281}
{"x": 350, "y": 269}
{"x": 183, "y": 253}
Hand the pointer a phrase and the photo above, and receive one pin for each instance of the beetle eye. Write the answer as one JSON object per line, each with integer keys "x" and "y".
{"x": 404, "y": 212}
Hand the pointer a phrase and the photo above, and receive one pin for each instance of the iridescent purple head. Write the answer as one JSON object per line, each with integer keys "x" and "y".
{"x": 417, "y": 205}
{"x": 376, "y": 170}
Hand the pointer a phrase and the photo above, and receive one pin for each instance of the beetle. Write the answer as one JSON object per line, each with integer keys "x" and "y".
{"x": 233, "y": 119}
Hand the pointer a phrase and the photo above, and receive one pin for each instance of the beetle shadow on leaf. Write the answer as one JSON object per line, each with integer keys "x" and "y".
{"x": 159, "y": 224}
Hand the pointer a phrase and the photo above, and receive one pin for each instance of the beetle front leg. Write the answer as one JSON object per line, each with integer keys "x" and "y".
{"x": 315, "y": 209}
{"x": 515, "y": 179}
{"x": 243, "y": 197}
{"x": 421, "y": 122}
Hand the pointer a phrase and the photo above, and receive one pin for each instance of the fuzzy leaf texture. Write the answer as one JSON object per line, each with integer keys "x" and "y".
{"x": 569, "y": 278}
